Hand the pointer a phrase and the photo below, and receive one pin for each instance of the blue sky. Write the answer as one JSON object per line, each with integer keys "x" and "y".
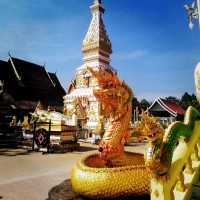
{"x": 153, "y": 49}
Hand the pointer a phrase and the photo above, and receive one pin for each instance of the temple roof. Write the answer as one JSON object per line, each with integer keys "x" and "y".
{"x": 170, "y": 106}
{"x": 27, "y": 83}
{"x": 97, "y": 36}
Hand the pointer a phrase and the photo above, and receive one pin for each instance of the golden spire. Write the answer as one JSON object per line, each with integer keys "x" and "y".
{"x": 96, "y": 37}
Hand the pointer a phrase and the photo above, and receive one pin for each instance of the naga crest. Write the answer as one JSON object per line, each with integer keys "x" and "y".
{"x": 113, "y": 93}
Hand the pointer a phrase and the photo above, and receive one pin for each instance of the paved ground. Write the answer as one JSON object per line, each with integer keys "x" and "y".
{"x": 30, "y": 176}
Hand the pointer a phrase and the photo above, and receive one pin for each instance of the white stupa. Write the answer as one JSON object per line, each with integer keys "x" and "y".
{"x": 81, "y": 106}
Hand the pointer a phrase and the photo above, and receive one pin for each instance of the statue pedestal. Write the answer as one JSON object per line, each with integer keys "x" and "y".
{"x": 64, "y": 191}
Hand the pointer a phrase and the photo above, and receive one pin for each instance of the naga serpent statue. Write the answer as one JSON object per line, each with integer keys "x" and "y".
{"x": 113, "y": 172}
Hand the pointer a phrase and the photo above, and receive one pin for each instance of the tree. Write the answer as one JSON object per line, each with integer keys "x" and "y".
{"x": 144, "y": 104}
{"x": 189, "y": 100}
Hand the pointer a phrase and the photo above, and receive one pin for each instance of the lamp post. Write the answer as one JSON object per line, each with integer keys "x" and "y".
{"x": 193, "y": 11}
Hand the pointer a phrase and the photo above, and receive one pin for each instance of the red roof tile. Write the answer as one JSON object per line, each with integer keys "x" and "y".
{"x": 173, "y": 106}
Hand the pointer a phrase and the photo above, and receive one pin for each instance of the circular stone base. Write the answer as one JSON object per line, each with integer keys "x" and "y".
{"x": 64, "y": 191}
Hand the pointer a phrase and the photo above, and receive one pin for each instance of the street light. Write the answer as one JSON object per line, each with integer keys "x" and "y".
{"x": 193, "y": 11}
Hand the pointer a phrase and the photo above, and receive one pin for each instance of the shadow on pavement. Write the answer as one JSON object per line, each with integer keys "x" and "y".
{"x": 13, "y": 152}
{"x": 64, "y": 191}
{"x": 85, "y": 149}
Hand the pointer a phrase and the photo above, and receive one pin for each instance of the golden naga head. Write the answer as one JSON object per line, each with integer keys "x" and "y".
{"x": 113, "y": 93}
{"x": 149, "y": 127}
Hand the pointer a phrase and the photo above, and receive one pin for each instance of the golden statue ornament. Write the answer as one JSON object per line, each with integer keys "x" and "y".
{"x": 149, "y": 128}
{"x": 113, "y": 172}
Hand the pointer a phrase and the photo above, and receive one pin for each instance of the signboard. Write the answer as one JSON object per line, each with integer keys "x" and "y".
{"x": 41, "y": 138}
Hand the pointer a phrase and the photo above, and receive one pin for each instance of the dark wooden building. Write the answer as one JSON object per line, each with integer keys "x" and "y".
{"x": 167, "y": 111}
{"x": 23, "y": 84}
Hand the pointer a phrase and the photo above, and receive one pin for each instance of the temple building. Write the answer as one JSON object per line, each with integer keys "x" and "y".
{"x": 23, "y": 85}
{"x": 81, "y": 106}
{"x": 166, "y": 110}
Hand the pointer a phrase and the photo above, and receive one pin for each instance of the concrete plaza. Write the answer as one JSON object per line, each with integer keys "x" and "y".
{"x": 30, "y": 176}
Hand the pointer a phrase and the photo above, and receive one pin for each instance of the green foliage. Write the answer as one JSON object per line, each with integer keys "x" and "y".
{"x": 139, "y": 106}
{"x": 144, "y": 104}
{"x": 189, "y": 100}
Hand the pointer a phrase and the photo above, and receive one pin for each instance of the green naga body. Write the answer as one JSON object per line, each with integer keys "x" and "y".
{"x": 159, "y": 151}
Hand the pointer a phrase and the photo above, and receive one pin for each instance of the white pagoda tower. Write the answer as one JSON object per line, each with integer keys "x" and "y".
{"x": 81, "y": 106}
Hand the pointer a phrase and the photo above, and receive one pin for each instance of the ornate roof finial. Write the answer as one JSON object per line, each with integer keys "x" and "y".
{"x": 97, "y": 2}
{"x": 97, "y": 6}
{"x": 97, "y": 36}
